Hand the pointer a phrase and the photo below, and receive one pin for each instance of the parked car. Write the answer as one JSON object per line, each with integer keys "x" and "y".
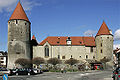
{"x": 24, "y": 71}
{"x": 116, "y": 74}
{"x": 37, "y": 71}
{"x": 13, "y": 71}
{"x": 4, "y": 71}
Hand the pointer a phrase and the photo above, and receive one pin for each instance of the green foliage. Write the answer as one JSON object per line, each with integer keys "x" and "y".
{"x": 71, "y": 61}
{"x": 23, "y": 62}
{"x": 54, "y": 61}
{"x": 38, "y": 60}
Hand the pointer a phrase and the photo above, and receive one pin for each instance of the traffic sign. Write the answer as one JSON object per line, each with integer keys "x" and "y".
{"x": 5, "y": 77}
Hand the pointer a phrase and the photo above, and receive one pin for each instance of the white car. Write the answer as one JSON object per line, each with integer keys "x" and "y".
{"x": 4, "y": 71}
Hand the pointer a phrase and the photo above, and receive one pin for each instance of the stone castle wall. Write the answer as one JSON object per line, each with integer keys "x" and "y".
{"x": 77, "y": 52}
{"x": 104, "y": 43}
{"x": 18, "y": 41}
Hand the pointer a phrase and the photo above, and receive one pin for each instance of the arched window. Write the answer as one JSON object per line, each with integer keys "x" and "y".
{"x": 46, "y": 51}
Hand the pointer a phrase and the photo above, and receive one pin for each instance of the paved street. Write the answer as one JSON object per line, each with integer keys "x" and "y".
{"x": 94, "y": 75}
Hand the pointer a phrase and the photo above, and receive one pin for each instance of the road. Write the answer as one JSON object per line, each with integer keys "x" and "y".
{"x": 88, "y": 75}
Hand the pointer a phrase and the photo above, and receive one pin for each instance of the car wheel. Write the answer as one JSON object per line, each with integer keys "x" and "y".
{"x": 16, "y": 73}
{"x": 28, "y": 73}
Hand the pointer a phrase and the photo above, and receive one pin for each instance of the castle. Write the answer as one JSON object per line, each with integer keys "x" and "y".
{"x": 80, "y": 48}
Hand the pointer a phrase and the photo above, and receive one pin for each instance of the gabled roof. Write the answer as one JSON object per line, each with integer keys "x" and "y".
{"x": 55, "y": 40}
{"x": 103, "y": 30}
{"x": 19, "y": 13}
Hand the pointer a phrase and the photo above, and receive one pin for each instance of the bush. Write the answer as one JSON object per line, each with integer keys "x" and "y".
{"x": 38, "y": 60}
{"x": 23, "y": 62}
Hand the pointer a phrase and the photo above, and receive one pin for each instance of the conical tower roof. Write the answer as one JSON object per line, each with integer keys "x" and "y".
{"x": 19, "y": 13}
{"x": 103, "y": 30}
{"x": 33, "y": 37}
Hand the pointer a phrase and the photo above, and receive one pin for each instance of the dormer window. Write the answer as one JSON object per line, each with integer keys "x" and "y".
{"x": 68, "y": 41}
{"x": 80, "y": 42}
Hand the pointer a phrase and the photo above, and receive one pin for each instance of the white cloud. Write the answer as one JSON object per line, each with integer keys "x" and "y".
{"x": 116, "y": 46}
{"x": 117, "y": 35}
{"x": 89, "y": 32}
{"x": 9, "y": 5}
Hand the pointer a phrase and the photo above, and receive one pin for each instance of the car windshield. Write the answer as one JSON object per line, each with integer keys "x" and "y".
{"x": 3, "y": 69}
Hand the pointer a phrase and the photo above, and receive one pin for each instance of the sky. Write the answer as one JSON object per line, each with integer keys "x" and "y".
{"x": 63, "y": 18}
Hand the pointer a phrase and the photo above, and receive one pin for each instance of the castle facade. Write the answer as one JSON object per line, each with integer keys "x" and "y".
{"x": 61, "y": 47}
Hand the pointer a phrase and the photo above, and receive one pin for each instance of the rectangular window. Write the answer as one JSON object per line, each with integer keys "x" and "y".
{"x": 16, "y": 21}
{"x": 2, "y": 61}
{"x": 2, "y": 58}
{"x": 46, "y": 52}
{"x": 101, "y": 51}
{"x": 101, "y": 44}
{"x": 58, "y": 56}
{"x": 91, "y": 49}
{"x": 86, "y": 56}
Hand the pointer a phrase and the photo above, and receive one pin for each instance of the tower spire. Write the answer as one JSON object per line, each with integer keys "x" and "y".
{"x": 103, "y": 30}
{"x": 19, "y": 13}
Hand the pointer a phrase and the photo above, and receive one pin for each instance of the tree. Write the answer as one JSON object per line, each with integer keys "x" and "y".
{"x": 23, "y": 62}
{"x": 71, "y": 61}
{"x": 38, "y": 61}
{"x": 54, "y": 61}
{"x": 105, "y": 60}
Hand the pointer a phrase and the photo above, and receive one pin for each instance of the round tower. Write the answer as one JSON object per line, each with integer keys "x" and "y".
{"x": 104, "y": 43}
{"x": 19, "y": 36}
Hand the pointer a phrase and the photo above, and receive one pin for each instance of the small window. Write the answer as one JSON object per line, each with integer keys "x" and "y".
{"x": 58, "y": 56}
{"x": 80, "y": 42}
{"x": 80, "y": 56}
{"x": 2, "y": 58}
{"x": 2, "y": 61}
{"x": 16, "y": 21}
{"x": 93, "y": 57}
{"x": 63, "y": 57}
{"x": 58, "y": 42}
{"x": 101, "y": 44}
{"x": 101, "y": 51}
{"x": 91, "y": 49}
{"x": 107, "y": 37}
{"x": 25, "y": 23}
{"x": 86, "y": 56}
{"x": 71, "y": 56}
{"x": 17, "y": 52}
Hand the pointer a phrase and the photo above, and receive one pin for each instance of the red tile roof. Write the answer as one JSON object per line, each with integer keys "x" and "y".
{"x": 103, "y": 30}
{"x": 19, "y": 13}
{"x": 33, "y": 37}
{"x": 87, "y": 41}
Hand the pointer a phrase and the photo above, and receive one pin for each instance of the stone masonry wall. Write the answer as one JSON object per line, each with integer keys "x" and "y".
{"x": 18, "y": 41}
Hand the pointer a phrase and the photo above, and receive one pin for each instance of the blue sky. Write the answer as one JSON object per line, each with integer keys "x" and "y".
{"x": 63, "y": 17}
